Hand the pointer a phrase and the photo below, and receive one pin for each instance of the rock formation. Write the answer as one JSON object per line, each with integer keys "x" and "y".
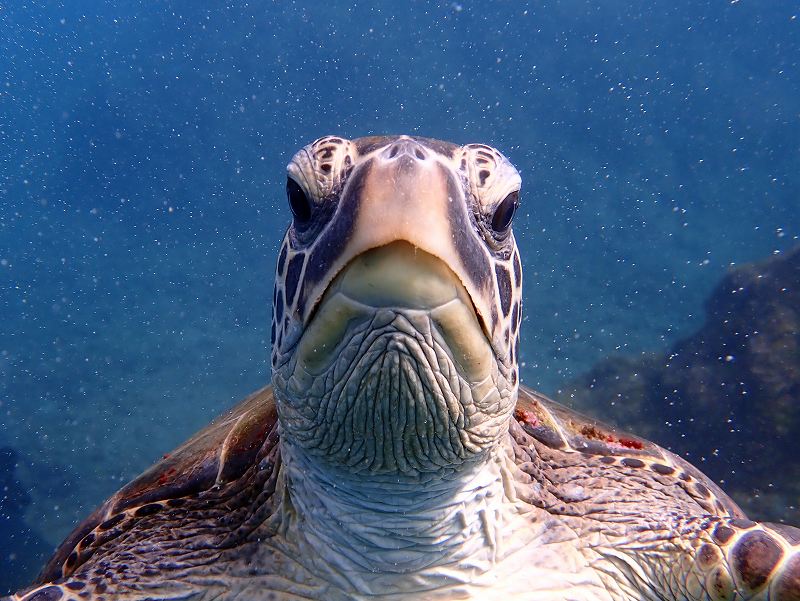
{"x": 727, "y": 397}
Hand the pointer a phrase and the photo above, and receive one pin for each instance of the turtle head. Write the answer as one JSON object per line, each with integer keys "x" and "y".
{"x": 397, "y": 303}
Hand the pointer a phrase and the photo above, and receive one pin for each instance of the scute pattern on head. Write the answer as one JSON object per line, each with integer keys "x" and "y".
{"x": 489, "y": 173}
{"x": 330, "y": 159}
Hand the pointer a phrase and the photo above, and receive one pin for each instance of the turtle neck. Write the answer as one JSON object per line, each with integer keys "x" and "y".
{"x": 405, "y": 533}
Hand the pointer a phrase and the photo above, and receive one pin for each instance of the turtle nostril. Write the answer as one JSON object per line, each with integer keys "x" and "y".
{"x": 410, "y": 148}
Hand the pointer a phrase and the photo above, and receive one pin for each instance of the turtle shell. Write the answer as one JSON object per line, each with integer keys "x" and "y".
{"x": 562, "y": 429}
{"x": 218, "y": 454}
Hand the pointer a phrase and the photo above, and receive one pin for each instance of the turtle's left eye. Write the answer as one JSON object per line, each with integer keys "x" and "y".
{"x": 504, "y": 213}
{"x": 298, "y": 201}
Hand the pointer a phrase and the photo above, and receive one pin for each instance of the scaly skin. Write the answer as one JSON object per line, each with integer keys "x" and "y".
{"x": 609, "y": 548}
{"x": 395, "y": 455}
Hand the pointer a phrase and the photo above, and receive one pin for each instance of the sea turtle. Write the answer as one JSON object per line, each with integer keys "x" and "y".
{"x": 395, "y": 455}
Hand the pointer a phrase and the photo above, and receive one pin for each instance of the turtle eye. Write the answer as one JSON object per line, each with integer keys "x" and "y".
{"x": 298, "y": 201}
{"x": 504, "y": 213}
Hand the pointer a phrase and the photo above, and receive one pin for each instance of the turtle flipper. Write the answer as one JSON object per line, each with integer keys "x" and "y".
{"x": 706, "y": 559}
{"x": 740, "y": 559}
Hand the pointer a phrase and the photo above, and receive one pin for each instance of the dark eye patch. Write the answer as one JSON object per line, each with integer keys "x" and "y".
{"x": 504, "y": 213}
{"x": 298, "y": 201}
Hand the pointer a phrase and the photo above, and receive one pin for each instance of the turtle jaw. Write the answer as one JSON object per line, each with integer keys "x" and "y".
{"x": 394, "y": 372}
{"x": 404, "y": 279}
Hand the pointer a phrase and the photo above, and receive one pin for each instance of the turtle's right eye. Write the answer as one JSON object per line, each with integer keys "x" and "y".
{"x": 298, "y": 201}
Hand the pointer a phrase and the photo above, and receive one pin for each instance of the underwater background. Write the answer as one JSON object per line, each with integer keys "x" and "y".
{"x": 142, "y": 166}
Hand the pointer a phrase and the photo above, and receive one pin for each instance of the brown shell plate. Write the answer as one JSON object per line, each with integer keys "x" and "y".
{"x": 219, "y": 453}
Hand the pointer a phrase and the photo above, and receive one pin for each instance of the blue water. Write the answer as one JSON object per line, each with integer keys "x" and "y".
{"x": 142, "y": 155}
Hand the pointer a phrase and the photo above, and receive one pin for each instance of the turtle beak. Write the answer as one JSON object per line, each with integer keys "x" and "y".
{"x": 404, "y": 194}
{"x": 395, "y": 279}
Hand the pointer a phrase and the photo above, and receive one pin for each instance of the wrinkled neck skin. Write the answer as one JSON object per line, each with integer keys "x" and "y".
{"x": 401, "y": 533}
{"x": 397, "y": 465}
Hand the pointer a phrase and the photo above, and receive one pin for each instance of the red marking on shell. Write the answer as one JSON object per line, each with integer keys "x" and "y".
{"x": 165, "y": 477}
{"x": 591, "y": 431}
{"x": 630, "y": 443}
{"x": 529, "y": 417}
